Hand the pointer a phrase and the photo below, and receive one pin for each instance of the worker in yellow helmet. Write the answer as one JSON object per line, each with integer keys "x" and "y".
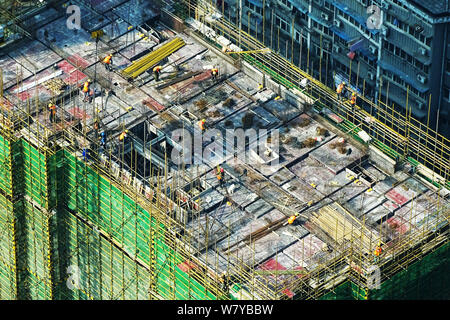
{"x": 86, "y": 88}
{"x": 107, "y": 61}
{"x": 353, "y": 99}
{"x": 292, "y": 219}
{"x": 340, "y": 89}
{"x": 123, "y": 135}
{"x": 215, "y": 73}
{"x": 157, "y": 72}
{"x": 52, "y": 110}
{"x": 202, "y": 125}
{"x": 378, "y": 251}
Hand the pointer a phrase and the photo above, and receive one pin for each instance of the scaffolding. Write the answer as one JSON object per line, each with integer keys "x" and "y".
{"x": 396, "y": 134}
{"x": 97, "y": 229}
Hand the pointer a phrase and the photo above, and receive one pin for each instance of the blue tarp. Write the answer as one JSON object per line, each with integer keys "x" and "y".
{"x": 340, "y": 34}
{"x": 369, "y": 55}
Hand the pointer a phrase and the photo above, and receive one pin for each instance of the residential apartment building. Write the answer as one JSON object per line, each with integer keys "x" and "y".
{"x": 393, "y": 50}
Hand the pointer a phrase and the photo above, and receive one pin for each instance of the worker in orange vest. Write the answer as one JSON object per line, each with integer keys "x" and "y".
{"x": 123, "y": 135}
{"x": 340, "y": 89}
{"x": 353, "y": 99}
{"x": 108, "y": 62}
{"x": 157, "y": 72}
{"x": 214, "y": 73}
{"x": 202, "y": 125}
{"x": 378, "y": 251}
{"x": 86, "y": 88}
{"x": 292, "y": 219}
{"x": 52, "y": 109}
{"x": 220, "y": 176}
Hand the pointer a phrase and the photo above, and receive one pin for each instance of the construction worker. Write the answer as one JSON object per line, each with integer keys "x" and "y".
{"x": 225, "y": 282}
{"x": 86, "y": 88}
{"x": 103, "y": 139}
{"x": 340, "y": 89}
{"x": 353, "y": 99}
{"x": 202, "y": 125}
{"x": 292, "y": 219}
{"x": 107, "y": 61}
{"x": 85, "y": 154}
{"x": 96, "y": 125}
{"x": 123, "y": 135}
{"x": 157, "y": 72}
{"x": 220, "y": 176}
{"x": 378, "y": 251}
{"x": 52, "y": 109}
{"x": 215, "y": 73}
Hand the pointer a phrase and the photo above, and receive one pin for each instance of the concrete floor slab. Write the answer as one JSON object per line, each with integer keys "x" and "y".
{"x": 302, "y": 191}
{"x": 312, "y": 172}
{"x": 35, "y": 56}
{"x": 210, "y": 106}
{"x": 282, "y": 109}
{"x": 296, "y": 131}
{"x": 282, "y": 176}
{"x": 363, "y": 203}
{"x": 258, "y": 208}
{"x": 304, "y": 250}
{"x": 405, "y": 192}
{"x": 334, "y": 160}
{"x": 12, "y": 71}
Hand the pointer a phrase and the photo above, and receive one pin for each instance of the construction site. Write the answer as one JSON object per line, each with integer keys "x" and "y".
{"x": 341, "y": 202}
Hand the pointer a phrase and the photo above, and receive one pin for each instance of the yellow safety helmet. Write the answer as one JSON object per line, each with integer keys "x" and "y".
{"x": 203, "y": 120}
{"x": 353, "y": 94}
{"x": 344, "y": 83}
{"x": 89, "y": 80}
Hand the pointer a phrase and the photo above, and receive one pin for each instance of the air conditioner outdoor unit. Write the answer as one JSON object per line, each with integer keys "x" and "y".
{"x": 371, "y": 76}
{"x": 338, "y": 23}
{"x": 420, "y": 105}
{"x": 326, "y": 44}
{"x": 421, "y": 78}
{"x": 423, "y": 51}
{"x": 324, "y": 16}
{"x": 337, "y": 49}
{"x": 372, "y": 49}
{"x": 385, "y": 31}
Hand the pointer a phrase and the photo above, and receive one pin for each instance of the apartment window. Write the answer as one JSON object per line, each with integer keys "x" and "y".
{"x": 447, "y": 93}
{"x": 298, "y": 35}
{"x": 286, "y": 3}
{"x": 405, "y": 56}
{"x": 415, "y": 31}
{"x": 252, "y": 7}
{"x": 282, "y": 24}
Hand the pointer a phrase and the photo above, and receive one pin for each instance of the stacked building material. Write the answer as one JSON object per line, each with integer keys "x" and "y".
{"x": 153, "y": 58}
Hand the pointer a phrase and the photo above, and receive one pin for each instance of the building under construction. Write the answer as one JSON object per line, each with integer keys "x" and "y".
{"x": 342, "y": 203}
